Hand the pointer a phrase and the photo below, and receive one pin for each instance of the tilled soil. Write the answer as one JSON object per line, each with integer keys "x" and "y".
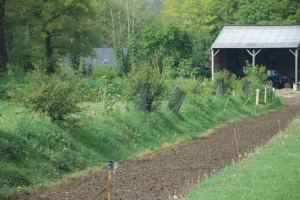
{"x": 176, "y": 170}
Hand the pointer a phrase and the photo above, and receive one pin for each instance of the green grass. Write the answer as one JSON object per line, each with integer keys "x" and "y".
{"x": 35, "y": 151}
{"x": 271, "y": 172}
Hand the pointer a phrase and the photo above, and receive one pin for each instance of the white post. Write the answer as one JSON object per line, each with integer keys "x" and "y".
{"x": 253, "y": 54}
{"x": 212, "y": 65}
{"x": 295, "y": 86}
{"x": 253, "y": 58}
{"x": 296, "y": 68}
{"x": 257, "y": 97}
{"x": 265, "y": 101}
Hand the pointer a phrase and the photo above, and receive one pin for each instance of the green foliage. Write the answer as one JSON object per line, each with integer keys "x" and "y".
{"x": 148, "y": 75}
{"x": 257, "y": 74}
{"x": 52, "y": 95}
{"x": 164, "y": 45}
{"x": 229, "y": 79}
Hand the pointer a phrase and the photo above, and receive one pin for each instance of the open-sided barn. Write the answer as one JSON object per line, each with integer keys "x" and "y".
{"x": 276, "y": 47}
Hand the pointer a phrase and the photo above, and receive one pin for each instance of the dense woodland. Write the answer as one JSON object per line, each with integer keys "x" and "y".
{"x": 160, "y": 32}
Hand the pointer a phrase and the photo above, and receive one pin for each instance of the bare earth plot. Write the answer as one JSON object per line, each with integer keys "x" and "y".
{"x": 176, "y": 170}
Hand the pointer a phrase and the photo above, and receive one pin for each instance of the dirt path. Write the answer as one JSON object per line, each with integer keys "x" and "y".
{"x": 174, "y": 171}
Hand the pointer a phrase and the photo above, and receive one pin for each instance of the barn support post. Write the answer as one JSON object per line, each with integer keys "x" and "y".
{"x": 213, "y": 63}
{"x": 253, "y": 54}
{"x": 295, "y": 87}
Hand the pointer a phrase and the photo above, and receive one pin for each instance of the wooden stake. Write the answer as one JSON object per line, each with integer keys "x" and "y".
{"x": 233, "y": 93}
{"x": 236, "y": 143}
{"x": 257, "y": 97}
{"x": 273, "y": 89}
{"x": 226, "y": 104}
{"x": 216, "y": 94}
{"x": 110, "y": 169}
{"x": 265, "y": 100}
{"x": 1, "y": 120}
{"x": 280, "y": 132}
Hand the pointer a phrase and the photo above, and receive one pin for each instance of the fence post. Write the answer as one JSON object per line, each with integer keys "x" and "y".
{"x": 265, "y": 101}
{"x": 257, "y": 97}
{"x": 110, "y": 168}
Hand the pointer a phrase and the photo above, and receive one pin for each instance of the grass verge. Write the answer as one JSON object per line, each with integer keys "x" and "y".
{"x": 271, "y": 172}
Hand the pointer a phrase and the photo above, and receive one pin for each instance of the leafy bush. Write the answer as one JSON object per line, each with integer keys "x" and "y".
{"x": 49, "y": 94}
{"x": 149, "y": 75}
{"x": 257, "y": 74}
{"x": 229, "y": 80}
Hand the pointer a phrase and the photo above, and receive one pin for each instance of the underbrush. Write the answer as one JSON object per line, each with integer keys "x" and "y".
{"x": 271, "y": 172}
{"x": 36, "y": 147}
{"x": 35, "y": 150}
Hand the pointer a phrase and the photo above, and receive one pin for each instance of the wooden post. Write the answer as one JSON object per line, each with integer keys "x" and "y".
{"x": 257, "y": 97}
{"x": 226, "y": 104}
{"x": 110, "y": 169}
{"x": 280, "y": 132}
{"x": 265, "y": 100}
{"x": 273, "y": 89}
{"x": 1, "y": 120}
{"x": 237, "y": 147}
{"x": 233, "y": 93}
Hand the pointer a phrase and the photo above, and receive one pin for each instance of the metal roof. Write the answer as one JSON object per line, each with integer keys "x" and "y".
{"x": 101, "y": 57}
{"x": 258, "y": 37}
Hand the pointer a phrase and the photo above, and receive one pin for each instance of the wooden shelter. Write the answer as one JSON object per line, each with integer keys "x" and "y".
{"x": 276, "y": 47}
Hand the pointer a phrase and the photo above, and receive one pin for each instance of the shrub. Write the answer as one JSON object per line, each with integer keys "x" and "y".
{"x": 229, "y": 80}
{"x": 149, "y": 75}
{"x": 257, "y": 74}
{"x": 49, "y": 94}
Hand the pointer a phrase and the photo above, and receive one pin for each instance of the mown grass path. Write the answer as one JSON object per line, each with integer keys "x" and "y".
{"x": 174, "y": 171}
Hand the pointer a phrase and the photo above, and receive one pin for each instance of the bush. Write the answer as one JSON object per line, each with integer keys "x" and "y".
{"x": 48, "y": 94}
{"x": 257, "y": 74}
{"x": 229, "y": 80}
{"x": 148, "y": 75}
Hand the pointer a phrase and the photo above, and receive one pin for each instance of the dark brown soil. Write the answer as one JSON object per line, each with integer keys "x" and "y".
{"x": 176, "y": 170}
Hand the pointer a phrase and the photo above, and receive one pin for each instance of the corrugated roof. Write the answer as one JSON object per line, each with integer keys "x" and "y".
{"x": 258, "y": 37}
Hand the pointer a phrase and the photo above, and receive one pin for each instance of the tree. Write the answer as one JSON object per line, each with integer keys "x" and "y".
{"x": 163, "y": 45}
{"x": 57, "y": 25}
{"x": 196, "y": 17}
{"x": 3, "y": 51}
{"x": 268, "y": 12}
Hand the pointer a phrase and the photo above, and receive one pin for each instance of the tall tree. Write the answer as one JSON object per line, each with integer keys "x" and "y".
{"x": 60, "y": 26}
{"x": 196, "y": 17}
{"x": 3, "y": 51}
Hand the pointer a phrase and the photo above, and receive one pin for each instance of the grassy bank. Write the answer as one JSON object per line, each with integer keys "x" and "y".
{"x": 35, "y": 151}
{"x": 271, "y": 172}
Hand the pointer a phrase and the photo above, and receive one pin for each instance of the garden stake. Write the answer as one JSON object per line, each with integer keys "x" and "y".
{"x": 265, "y": 101}
{"x": 273, "y": 89}
{"x": 216, "y": 94}
{"x": 246, "y": 102}
{"x": 257, "y": 97}
{"x": 110, "y": 169}
{"x": 280, "y": 133}
{"x": 1, "y": 120}
{"x": 237, "y": 146}
{"x": 226, "y": 104}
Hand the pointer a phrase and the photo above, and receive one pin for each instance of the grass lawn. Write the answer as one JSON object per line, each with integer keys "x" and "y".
{"x": 271, "y": 172}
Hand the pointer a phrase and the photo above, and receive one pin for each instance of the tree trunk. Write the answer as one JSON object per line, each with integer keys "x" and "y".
{"x": 176, "y": 100}
{"x": 3, "y": 51}
{"x": 49, "y": 53}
